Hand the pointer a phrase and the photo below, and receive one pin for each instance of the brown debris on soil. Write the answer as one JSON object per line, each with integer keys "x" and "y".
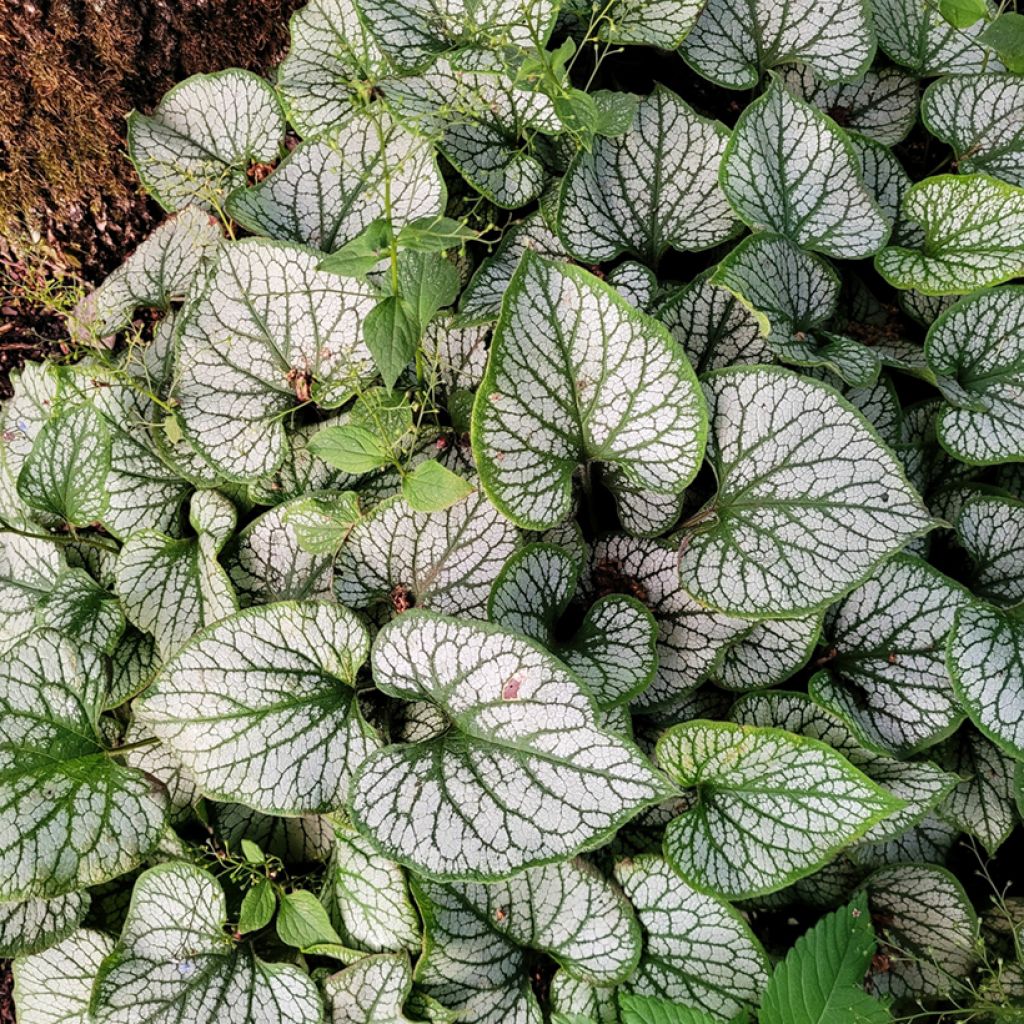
{"x": 6, "y": 993}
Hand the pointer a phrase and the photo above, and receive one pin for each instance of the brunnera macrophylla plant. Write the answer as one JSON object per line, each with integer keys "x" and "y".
{"x": 543, "y": 509}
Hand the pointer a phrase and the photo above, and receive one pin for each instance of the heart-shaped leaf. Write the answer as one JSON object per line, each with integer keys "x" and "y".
{"x": 734, "y": 41}
{"x": 445, "y": 561}
{"x": 614, "y": 649}
{"x": 96, "y": 819}
{"x": 973, "y": 236}
{"x": 203, "y": 136}
{"x": 790, "y": 169}
{"x": 371, "y": 991}
{"x": 331, "y": 61}
{"x": 991, "y": 530}
{"x": 30, "y": 926}
{"x": 174, "y": 588}
{"x": 603, "y": 382}
{"x": 602, "y": 212}
{"x": 881, "y": 104}
{"x": 976, "y": 349}
{"x": 886, "y": 649}
{"x": 698, "y": 951}
{"x": 175, "y": 964}
{"x": 286, "y": 670}
{"x": 773, "y": 435}
{"x": 268, "y": 331}
{"x": 770, "y": 807}
{"x": 521, "y": 732}
{"x": 975, "y": 115}
{"x": 986, "y": 663}
{"x": 331, "y": 187}
{"x": 768, "y": 653}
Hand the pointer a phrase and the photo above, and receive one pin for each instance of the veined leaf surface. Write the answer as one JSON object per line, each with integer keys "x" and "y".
{"x": 788, "y": 537}
{"x": 29, "y": 568}
{"x": 772, "y": 807}
{"x": 283, "y": 671}
{"x": 991, "y": 530}
{"x": 371, "y": 991}
{"x": 55, "y": 986}
{"x": 768, "y": 653}
{"x": 660, "y": 23}
{"x": 654, "y": 187}
{"x": 81, "y": 609}
{"x": 30, "y": 926}
{"x": 577, "y": 374}
{"x": 521, "y": 732}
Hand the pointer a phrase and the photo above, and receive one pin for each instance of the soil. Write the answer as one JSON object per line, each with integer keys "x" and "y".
{"x": 70, "y": 70}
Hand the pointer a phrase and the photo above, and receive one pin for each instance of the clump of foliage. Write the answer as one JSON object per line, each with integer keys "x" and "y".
{"x": 517, "y": 532}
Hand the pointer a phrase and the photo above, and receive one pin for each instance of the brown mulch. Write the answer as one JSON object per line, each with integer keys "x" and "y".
{"x": 6, "y": 993}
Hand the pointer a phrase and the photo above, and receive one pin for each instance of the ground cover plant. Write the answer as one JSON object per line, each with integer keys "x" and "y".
{"x": 537, "y": 533}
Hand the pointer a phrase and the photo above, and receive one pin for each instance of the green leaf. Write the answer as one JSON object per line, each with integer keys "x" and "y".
{"x": 445, "y": 561}
{"x": 358, "y": 256}
{"x": 55, "y": 985}
{"x": 285, "y": 670}
{"x": 652, "y": 1010}
{"x": 435, "y": 234}
{"x": 29, "y": 569}
{"x": 1005, "y": 35}
{"x": 606, "y": 384}
{"x": 886, "y": 644}
{"x": 174, "y": 588}
{"x": 734, "y": 41}
{"x": 332, "y": 62}
{"x": 65, "y": 473}
{"x": 350, "y": 448}
{"x": 976, "y": 349}
{"x": 30, "y": 926}
{"x": 391, "y": 333}
{"x": 770, "y": 807}
{"x": 917, "y": 36}
{"x": 973, "y": 236}
{"x": 427, "y": 281}
{"x": 321, "y": 523}
{"x": 70, "y": 815}
{"x": 986, "y": 663}
{"x": 991, "y": 530}
{"x": 302, "y": 921}
{"x": 881, "y": 104}
{"x": 821, "y": 980}
{"x": 331, "y": 188}
{"x": 268, "y": 332}
{"x": 371, "y": 991}
{"x": 789, "y": 169}
{"x": 202, "y": 137}
{"x": 174, "y": 963}
{"x": 251, "y": 851}
{"x": 81, "y": 609}
{"x": 614, "y": 112}
{"x": 974, "y": 114}
{"x": 430, "y": 487}
{"x": 963, "y": 13}
{"x": 698, "y": 951}
{"x": 602, "y": 210}
{"x": 258, "y": 906}
{"x": 519, "y": 725}
{"x": 827, "y": 528}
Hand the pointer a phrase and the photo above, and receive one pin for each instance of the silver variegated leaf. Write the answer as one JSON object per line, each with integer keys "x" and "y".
{"x": 771, "y": 806}
{"x": 285, "y": 671}
{"x": 267, "y": 332}
{"x": 690, "y": 636}
{"x": 972, "y": 236}
{"x": 978, "y": 115}
{"x": 986, "y": 662}
{"x": 306, "y": 839}
{"x": 70, "y": 815}
{"x": 768, "y": 654}
{"x": 930, "y": 841}
{"x": 915, "y": 34}
{"x": 788, "y": 168}
{"x": 929, "y": 930}
{"x": 21, "y": 418}
{"x": 990, "y": 529}
{"x": 976, "y": 348}
{"x": 30, "y": 926}
{"x": 203, "y": 136}
{"x": 881, "y": 104}
{"x": 331, "y": 61}
{"x": 81, "y": 609}
{"x": 156, "y": 760}
{"x": 29, "y": 568}
{"x": 330, "y": 188}
{"x": 176, "y": 964}
{"x": 785, "y": 536}
{"x": 577, "y": 374}
{"x": 576, "y": 999}
{"x": 457, "y": 352}
{"x": 652, "y": 188}
{"x": 445, "y": 561}
{"x": 636, "y": 283}
{"x": 886, "y": 652}
{"x": 372, "y": 991}
{"x": 698, "y": 951}
{"x": 491, "y": 795}
{"x": 660, "y": 23}
{"x": 734, "y": 41}
{"x": 174, "y": 588}
{"x": 887, "y": 180}
{"x": 55, "y": 986}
